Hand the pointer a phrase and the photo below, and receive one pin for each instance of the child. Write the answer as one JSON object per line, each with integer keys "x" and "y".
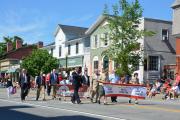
{"x": 152, "y": 91}
{"x": 174, "y": 90}
{"x": 9, "y": 85}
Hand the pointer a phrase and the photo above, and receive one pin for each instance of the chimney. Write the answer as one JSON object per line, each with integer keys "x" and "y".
{"x": 40, "y": 44}
{"x": 18, "y": 43}
{"x": 9, "y": 46}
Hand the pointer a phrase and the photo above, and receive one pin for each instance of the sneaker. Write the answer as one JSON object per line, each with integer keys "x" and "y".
{"x": 136, "y": 102}
{"x": 129, "y": 101}
{"x": 105, "y": 103}
{"x": 79, "y": 102}
{"x": 91, "y": 100}
{"x": 73, "y": 102}
{"x": 172, "y": 98}
{"x": 168, "y": 98}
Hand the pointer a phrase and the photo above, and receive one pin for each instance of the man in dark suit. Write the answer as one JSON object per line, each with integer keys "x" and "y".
{"x": 85, "y": 78}
{"x": 86, "y": 82}
{"x": 24, "y": 82}
{"x": 53, "y": 82}
{"x": 77, "y": 83}
{"x": 40, "y": 84}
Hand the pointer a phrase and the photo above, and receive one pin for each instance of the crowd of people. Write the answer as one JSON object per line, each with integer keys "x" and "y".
{"x": 168, "y": 87}
{"x": 48, "y": 84}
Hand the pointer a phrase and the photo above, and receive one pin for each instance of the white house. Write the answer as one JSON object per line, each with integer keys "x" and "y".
{"x": 71, "y": 46}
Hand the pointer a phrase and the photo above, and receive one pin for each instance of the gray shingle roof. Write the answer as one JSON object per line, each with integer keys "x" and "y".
{"x": 50, "y": 44}
{"x": 73, "y": 30}
{"x": 176, "y": 4}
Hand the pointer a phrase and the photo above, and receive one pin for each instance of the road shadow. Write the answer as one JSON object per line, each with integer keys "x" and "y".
{"x": 12, "y": 113}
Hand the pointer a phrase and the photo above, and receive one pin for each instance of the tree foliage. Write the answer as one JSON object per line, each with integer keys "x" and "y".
{"x": 124, "y": 34}
{"x": 3, "y": 44}
{"x": 39, "y": 60}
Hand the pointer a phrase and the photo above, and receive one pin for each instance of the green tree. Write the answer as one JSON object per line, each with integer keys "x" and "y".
{"x": 124, "y": 48}
{"x": 39, "y": 60}
{"x": 5, "y": 41}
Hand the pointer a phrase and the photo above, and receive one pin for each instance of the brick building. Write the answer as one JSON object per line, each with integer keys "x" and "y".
{"x": 10, "y": 61}
{"x": 176, "y": 31}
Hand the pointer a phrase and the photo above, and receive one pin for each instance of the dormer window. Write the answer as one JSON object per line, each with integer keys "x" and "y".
{"x": 165, "y": 34}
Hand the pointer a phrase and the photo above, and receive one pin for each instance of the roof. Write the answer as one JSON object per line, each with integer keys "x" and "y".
{"x": 176, "y": 4}
{"x": 50, "y": 44}
{"x": 76, "y": 40}
{"x": 158, "y": 20}
{"x": 100, "y": 19}
{"x": 75, "y": 30}
{"x": 19, "y": 49}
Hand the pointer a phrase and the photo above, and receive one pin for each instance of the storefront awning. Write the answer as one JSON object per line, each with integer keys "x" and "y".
{"x": 12, "y": 70}
{"x": 3, "y": 71}
{"x": 71, "y": 62}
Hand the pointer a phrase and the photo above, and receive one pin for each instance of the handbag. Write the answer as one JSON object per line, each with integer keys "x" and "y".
{"x": 14, "y": 90}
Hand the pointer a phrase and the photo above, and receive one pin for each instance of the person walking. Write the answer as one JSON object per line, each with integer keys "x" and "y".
{"x": 77, "y": 83}
{"x": 48, "y": 86}
{"x": 9, "y": 85}
{"x": 94, "y": 85}
{"x": 40, "y": 84}
{"x": 135, "y": 80}
{"x": 24, "y": 82}
{"x": 86, "y": 82}
{"x": 53, "y": 82}
{"x": 113, "y": 78}
{"x": 101, "y": 91}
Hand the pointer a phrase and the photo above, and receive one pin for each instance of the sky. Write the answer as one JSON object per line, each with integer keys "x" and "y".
{"x": 36, "y": 20}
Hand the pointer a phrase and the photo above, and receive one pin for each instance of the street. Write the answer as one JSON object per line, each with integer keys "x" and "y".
{"x": 155, "y": 109}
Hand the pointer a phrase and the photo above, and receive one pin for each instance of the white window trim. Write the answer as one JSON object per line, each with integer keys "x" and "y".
{"x": 159, "y": 63}
{"x": 95, "y": 58}
{"x": 93, "y": 42}
{"x": 162, "y": 34}
{"x": 102, "y": 42}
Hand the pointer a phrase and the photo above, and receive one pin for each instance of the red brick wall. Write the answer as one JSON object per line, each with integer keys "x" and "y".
{"x": 178, "y": 54}
{"x": 20, "y": 53}
{"x": 177, "y": 46}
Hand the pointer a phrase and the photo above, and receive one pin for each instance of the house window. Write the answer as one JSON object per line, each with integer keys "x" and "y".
{"x": 51, "y": 51}
{"x": 105, "y": 63}
{"x": 77, "y": 48}
{"x": 105, "y": 39}
{"x": 95, "y": 41}
{"x": 153, "y": 63}
{"x": 165, "y": 34}
{"x": 69, "y": 49}
{"x": 60, "y": 51}
{"x": 96, "y": 65}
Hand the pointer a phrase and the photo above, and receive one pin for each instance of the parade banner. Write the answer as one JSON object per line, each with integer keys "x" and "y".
{"x": 125, "y": 90}
{"x": 68, "y": 90}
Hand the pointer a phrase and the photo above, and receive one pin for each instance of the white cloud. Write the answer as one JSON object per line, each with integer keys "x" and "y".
{"x": 29, "y": 25}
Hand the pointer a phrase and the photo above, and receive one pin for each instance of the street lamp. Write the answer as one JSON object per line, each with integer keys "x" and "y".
{"x": 66, "y": 62}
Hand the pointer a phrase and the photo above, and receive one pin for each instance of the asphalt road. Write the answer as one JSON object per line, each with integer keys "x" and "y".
{"x": 155, "y": 109}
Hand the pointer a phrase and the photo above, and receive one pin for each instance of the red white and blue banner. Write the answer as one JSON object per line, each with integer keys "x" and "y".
{"x": 125, "y": 90}
{"x": 111, "y": 89}
{"x": 68, "y": 90}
